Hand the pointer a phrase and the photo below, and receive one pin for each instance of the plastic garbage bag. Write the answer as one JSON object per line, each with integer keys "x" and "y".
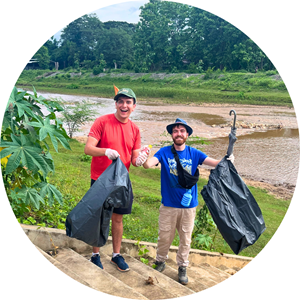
{"x": 231, "y": 204}
{"x": 90, "y": 219}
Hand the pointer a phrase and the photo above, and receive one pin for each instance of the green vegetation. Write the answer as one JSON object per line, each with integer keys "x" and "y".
{"x": 170, "y": 37}
{"x": 142, "y": 224}
{"x": 262, "y": 88}
{"x": 26, "y": 160}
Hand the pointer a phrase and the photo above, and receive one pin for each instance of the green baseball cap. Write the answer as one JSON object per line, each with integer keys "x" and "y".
{"x": 126, "y": 92}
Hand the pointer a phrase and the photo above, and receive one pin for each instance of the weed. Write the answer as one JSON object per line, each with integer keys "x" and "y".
{"x": 142, "y": 252}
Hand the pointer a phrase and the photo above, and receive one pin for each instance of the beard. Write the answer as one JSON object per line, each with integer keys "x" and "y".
{"x": 179, "y": 141}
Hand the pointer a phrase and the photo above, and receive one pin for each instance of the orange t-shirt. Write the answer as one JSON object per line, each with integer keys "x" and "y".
{"x": 113, "y": 134}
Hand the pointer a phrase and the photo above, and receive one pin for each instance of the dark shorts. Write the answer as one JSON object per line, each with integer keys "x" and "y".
{"x": 121, "y": 210}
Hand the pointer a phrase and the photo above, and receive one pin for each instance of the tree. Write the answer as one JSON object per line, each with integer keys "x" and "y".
{"x": 160, "y": 35}
{"x": 43, "y": 57}
{"x": 100, "y": 65}
{"x": 83, "y": 34}
{"x": 116, "y": 45}
{"x": 77, "y": 115}
{"x": 25, "y": 154}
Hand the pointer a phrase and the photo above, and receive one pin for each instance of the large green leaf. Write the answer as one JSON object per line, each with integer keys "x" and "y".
{"x": 50, "y": 191}
{"x": 30, "y": 196}
{"x": 47, "y": 129}
{"x": 24, "y": 154}
{"x": 16, "y": 100}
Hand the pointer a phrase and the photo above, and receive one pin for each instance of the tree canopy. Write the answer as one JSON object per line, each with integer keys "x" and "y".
{"x": 170, "y": 36}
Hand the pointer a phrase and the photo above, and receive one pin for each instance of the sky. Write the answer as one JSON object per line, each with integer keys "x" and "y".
{"x": 25, "y": 25}
{"x": 126, "y": 11}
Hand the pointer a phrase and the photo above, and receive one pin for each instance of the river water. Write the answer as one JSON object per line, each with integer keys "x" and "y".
{"x": 270, "y": 156}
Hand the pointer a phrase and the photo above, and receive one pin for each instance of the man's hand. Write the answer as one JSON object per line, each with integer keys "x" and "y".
{"x": 231, "y": 158}
{"x": 143, "y": 156}
{"x": 112, "y": 154}
{"x": 141, "y": 159}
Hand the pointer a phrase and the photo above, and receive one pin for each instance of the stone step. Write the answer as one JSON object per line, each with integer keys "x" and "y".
{"x": 172, "y": 272}
{"x": 136, "y": 279}
{"x": 160, "y": 279}
{"x": 97, "y": 278}
{"x": 204, "y": 273}
{"x": 63, "y": 268}
{"x": 217, "y": 274}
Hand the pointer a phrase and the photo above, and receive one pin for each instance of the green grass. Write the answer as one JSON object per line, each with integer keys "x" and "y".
{"x": 72, "y": 178}
{"x": 244, "y": 88}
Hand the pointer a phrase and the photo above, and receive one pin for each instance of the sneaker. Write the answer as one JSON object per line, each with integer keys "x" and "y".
{"x": 96, "y": 260}
{"x": 160, "y": 266}
{"x": 182, "y": 277}
{"x": 120, "y": 263}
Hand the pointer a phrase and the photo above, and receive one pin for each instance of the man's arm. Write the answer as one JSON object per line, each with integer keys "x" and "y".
{"x": 211, "y": 162}
{"x": 92, "y": 149}
{"x": 135, "y": 154}
{"x": 151, "y": 162}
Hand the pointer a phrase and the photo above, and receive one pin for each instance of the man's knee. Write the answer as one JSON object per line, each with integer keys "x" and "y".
{"x": 116, "y": 218}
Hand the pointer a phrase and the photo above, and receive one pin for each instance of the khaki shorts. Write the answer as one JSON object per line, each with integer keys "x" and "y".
{"x": 170, "y": 220}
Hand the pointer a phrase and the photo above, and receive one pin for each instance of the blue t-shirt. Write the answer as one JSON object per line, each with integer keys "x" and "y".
{"x": 171, "y": 191}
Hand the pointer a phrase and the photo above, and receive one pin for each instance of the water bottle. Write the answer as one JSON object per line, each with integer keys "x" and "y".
{"x": 146, "y": 149}
{"x": 187, "y": 198}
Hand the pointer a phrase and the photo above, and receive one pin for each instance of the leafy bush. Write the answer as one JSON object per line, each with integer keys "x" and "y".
{"x": 25, "y": 157}
{"x": 77, "y": 115}
{"x": 204, "y": 225}
{"x": 72, "y": 86}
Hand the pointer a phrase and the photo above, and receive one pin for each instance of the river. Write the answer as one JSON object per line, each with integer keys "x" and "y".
{"x": 265, "y": 155}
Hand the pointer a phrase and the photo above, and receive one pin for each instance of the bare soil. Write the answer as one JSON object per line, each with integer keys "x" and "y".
{"x": 264, "y": 116}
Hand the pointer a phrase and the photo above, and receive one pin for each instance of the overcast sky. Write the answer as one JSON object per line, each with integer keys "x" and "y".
{"x": 126, "y": 11}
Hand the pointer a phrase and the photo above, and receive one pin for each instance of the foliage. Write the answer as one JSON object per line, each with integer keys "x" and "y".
{"x": 204, "y": 225}
{"x": 142, "y": 252}
{"x": 169, "y": 36}
{"x": 25, "y": 157}
{"x": 74, "y": 116}
{"x": 100, "y": 66}
{"x": 211, "y": 86}
{"x": 43, "y": 57}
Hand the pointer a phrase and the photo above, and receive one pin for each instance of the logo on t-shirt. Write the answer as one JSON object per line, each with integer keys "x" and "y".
{"x": 186, "y": 164}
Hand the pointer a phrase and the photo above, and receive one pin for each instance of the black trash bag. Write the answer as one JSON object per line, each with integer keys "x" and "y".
{"x": 185, "y": 179}
{"x": 90, "y": 218}
{"x": 231, "y": 204}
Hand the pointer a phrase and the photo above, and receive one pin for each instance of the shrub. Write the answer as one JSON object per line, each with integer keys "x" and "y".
{"x": 25, "y": 154}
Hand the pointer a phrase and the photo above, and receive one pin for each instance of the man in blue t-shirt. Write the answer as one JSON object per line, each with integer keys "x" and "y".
{"x": 175, "y": 213}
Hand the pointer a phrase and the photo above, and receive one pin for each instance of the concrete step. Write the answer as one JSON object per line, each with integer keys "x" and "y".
{"x": 171, "y": 271}
{"x": 211, "y": 272}
{"x": 97, "y": 278}
{"x": 159, "y": 278}
{"x": 136, "y": 279}
{"x": 63, "y": 268}
{"x": 204, "y": 273}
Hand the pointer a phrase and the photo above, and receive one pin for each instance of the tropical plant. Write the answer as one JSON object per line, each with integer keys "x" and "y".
{"x": 74, "y": 116}
{"x": 142, "y": 252}
{"x": 25, "y": 154}
{"x": 204, "y": 227}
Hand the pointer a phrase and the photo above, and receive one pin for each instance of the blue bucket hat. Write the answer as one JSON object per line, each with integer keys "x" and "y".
{"x": 180, "y": 122}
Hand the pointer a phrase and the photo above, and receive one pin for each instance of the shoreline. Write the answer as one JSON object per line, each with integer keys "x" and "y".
{"x": 284, "y": 192}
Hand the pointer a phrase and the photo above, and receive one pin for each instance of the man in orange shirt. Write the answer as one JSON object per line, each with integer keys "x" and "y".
{"x": 111, "y": 136}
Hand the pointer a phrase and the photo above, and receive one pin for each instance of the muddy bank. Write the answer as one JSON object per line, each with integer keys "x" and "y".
{"x": 267, "y": 149}
{"x": 213, "y": 122}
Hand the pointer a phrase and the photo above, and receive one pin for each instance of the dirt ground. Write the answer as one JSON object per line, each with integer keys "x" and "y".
{"x": 156, "y": 116}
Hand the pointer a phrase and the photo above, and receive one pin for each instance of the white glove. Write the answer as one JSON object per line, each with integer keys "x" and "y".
{"x": 112, "y": 154}
{"x": 141, "y": 159}
{"x": 231, "y": 158}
